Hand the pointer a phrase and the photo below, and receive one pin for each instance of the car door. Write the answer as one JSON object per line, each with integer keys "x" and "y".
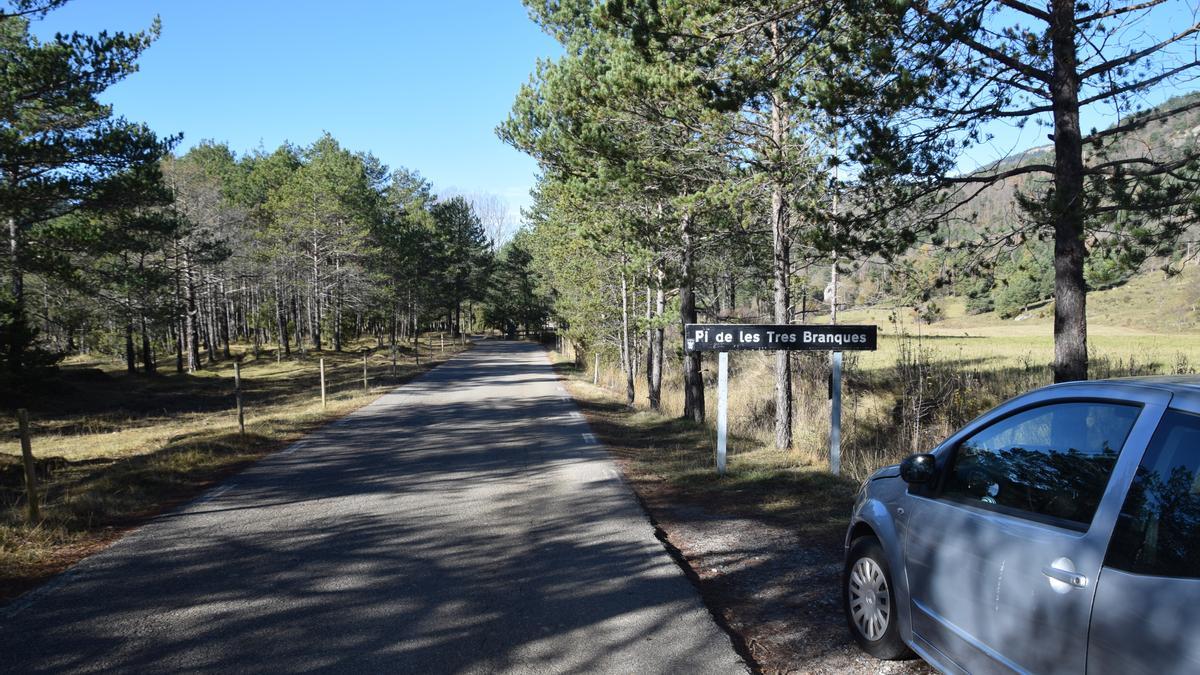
{"x": 1147, "y": 603}
{"x": 1002, "y": 556}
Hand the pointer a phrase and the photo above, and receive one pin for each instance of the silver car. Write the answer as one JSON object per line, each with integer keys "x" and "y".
{"x": 1057, "y": 533}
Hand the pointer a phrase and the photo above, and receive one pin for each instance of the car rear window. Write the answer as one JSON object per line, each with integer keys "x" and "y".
{"x": 1051, "y": 463}
{"x": 1158, "y": 532}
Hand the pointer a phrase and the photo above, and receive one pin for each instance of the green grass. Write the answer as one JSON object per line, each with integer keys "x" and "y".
{"x": 114, "y": 448}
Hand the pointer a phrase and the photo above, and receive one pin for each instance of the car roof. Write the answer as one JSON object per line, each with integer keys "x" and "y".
{"x": 1184, "y": 390}
{"x": 1174, "y": 384}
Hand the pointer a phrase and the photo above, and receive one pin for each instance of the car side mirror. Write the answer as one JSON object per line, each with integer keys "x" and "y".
{"x": 918, "y": 469}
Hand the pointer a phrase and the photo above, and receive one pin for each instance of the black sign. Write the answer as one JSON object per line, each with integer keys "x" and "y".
{"x": 726, "y": 337}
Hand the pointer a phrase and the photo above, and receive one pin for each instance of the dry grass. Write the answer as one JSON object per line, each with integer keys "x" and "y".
{"x": 925, "y": 381}
{"x": 668, "y": 451}
{"x": 113, "y": 449}
{"x": 1150, "y": 304}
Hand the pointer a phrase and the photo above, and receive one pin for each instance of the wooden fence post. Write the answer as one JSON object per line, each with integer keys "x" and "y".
{"x": 323, "y": 404}
{"x": 237, "y": 392}
{"x": 30, "y": 470}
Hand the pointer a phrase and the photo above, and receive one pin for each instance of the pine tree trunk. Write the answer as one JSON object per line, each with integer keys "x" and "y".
{"x": 732, "y": 292}
{"x": 780, "y": 269}
{"x": 192, "y": 327}
{"x": 130, "y": 354}
{"x": 626, "y": 347}
{"x": 693, "y": 378}
{"x": 337, "y": 309}
{"x": 656, "y": 342}
{"x": 16, "y": 278}
{"x": 284, "y": 348}
{"x": 297, "y": 323}
{"x": 16, "y": 330}
{"x": 416, "y": 336}
{"x": 649, "y": 334}
{"x": 315, "y": 297}
{"x": 1070, "y": 291}
{"x": 314, "y": 320}
{"x": 147, "y": 348}
{"x": 392, "y": 341}
{"x": 177, "y": 329}
{"x": 208, "y": 333}
{"x": 223, "y": 318}
{"x": 178, "y": 322}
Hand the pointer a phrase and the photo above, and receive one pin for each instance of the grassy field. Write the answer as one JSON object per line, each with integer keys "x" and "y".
{"x": 926, "y": 380}
{"x": 113, "y": 448}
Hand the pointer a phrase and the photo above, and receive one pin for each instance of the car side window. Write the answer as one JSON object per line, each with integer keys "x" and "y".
{"x": 1050, "y": 463}
{"x": 1158, "y": 532}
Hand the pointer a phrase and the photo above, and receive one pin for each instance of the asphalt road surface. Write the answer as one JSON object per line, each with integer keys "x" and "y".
{"x": 465, "y": 522}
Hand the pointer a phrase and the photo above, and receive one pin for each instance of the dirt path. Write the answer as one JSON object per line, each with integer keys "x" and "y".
{"x": 778, "y": 592}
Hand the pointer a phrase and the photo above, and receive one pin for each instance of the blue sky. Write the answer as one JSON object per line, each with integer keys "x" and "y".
{"x": 419, "y": 84}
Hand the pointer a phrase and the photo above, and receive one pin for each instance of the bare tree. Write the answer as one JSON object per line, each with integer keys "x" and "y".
{"x": 495, "y": 214}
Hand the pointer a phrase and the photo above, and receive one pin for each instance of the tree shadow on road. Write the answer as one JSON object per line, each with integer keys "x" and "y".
{"x": 475, "y": 535}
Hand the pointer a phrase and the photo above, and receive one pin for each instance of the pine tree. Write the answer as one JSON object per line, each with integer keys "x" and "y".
{"x": 61, "y": 151}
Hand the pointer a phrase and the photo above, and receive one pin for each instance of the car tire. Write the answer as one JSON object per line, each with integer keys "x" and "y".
{"x": 869, "y": 599}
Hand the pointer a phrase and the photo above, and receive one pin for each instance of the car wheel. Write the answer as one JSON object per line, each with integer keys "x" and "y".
{"x": 870, "y": 601}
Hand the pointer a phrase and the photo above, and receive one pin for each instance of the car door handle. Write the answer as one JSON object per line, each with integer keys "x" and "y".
{"x": 1069, "y": 577}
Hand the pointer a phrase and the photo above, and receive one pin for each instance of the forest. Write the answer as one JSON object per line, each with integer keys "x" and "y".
{"x": 119, "y": 246}
{"x": 299, "y": 248}
{"x": 781, "y": 162}
{"x": 716, "y": 161}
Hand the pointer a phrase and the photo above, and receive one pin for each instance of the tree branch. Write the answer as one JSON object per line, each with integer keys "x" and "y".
{"x": 1140, "y": 84}
{"x": 922, "y": 8}
{"x": 1027, "y": 9}
{"x": 1119, "y": 10}
{"x": 995, "y": 177}
{"x": 1136, "y": 56}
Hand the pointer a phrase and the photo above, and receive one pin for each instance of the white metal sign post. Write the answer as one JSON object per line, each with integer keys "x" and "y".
{"x": 835, "y": 415}
{"x": 722, "y": 408}
{"x": 724, "y": 338}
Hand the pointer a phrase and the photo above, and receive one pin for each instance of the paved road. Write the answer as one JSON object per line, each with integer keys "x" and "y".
{"x": 463, "y": 523}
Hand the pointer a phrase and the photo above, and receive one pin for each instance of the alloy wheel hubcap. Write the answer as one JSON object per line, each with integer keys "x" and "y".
{"x": 869, "y": 606}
